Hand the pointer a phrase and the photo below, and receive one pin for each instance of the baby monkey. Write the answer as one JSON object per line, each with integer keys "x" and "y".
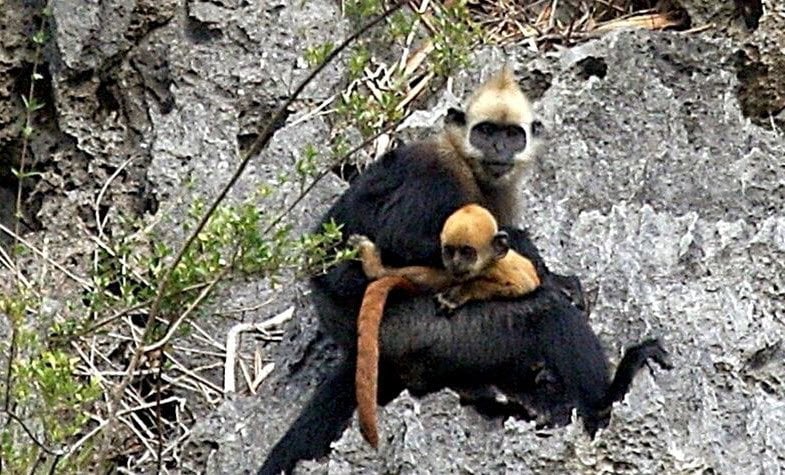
{"x": 478, "y": 265}
{"x": 478, "y": 262}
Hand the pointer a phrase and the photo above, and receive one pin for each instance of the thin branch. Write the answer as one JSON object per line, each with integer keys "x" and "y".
{"x": 52, "y": 468}
{"x": 9, "y": 372}
{"x": 192, "y": 373}
{"x": 326, "y": 171}
{"x": 8, "y": 263}
{"x": 29, "y": 102}
{"x": 260, "y": 143}
{"x": 140, "y": 306}
{"x": 158, "y": 420}
{"x": 30, "y": 434}
{"x": 79, "y": 280}
{"x": 233, "y": 339}
{"x": 79, "y": 443}
{"x": 176, "y": 323}
{"x": 261, "y": 375}
{"x": 150, "y": 405}
{"x": 97, "y": 206}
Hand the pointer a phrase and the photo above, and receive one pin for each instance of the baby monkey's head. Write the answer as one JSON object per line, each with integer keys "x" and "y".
{"x": 471, "y": 242}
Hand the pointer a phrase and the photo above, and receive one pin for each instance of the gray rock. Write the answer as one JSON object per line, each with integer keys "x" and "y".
{"x": 164, "y": 93}
{"x": 668, "y": 204}
{"x": 655, "y": 190}
{"x": 178, "y": 92}
{"x": 15, "y": 47}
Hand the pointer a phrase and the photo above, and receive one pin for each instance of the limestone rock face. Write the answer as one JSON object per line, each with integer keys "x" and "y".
{"x": 670, "y": 206}
{"x": 662, "y": 187}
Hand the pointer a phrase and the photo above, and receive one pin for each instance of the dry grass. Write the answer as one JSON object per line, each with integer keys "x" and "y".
{"x": 549, "y": 23}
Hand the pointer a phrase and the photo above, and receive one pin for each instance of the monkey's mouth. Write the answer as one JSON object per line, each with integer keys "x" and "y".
{"x": 498, "y": 169}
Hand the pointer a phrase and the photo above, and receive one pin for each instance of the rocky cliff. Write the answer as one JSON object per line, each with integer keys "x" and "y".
{"x": 662, "y": 187}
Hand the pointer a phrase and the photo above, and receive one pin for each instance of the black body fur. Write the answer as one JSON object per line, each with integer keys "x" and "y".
{"x": 539, "y": 350}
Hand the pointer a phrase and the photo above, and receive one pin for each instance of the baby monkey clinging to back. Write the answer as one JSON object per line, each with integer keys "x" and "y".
{"x": 478, "y": 265}
{"x": 478, "y": 262}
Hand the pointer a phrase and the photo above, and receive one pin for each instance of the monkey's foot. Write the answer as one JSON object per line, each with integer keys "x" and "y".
{"x": 652, "y": 350}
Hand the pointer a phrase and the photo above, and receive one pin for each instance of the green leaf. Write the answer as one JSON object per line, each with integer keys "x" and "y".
{"x": 40, "y": 37}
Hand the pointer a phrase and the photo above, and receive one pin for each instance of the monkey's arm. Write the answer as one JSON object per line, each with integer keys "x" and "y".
{"x": 482, "y": 288}
{"x": 512, "y": 276}
{"x": 411, "y": 217}
{"x": 386, "y": 203}
{"x": 429, "y": 278}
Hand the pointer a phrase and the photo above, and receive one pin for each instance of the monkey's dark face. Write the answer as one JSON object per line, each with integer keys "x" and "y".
{"x": 498, "y": 145}
{"x": 460, "y": 261}
{"x": 465, "y": 261}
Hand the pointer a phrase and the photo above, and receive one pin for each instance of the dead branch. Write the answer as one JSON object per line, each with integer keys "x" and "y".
{"x": 233, "y": 341}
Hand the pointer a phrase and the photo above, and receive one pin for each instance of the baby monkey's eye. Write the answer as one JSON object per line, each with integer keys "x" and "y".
{"x": 468, "y": 253}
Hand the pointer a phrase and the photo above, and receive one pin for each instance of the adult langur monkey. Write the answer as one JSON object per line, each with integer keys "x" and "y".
{"x": 400, "y": 202}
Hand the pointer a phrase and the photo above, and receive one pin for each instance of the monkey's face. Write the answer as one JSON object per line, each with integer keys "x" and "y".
{"x": 496, "y": 147}
{"x": 461, "y": 261}
{"x": 465, "y": 261}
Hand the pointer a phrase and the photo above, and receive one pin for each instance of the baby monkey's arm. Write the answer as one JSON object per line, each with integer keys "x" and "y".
{"x": 430, "y": 278}
{"x": 512, "y": 276}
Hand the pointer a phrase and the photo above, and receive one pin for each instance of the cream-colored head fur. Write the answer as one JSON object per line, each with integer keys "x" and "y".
{"x": 499, "y": 100}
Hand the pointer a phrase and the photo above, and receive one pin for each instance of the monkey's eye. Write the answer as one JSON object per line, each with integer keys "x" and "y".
{"x": 485, "y": 128}
{"x": 516, "y": 132}
{"x": 537, "y": 128}
{"x": 448, "y": 252}
{"x": 468, "y": 253}
{"x": 516, "y": 137}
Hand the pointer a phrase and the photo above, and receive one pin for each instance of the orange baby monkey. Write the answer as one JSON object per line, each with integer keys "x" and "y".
{"x": 478, "y": 265}
{"x": 478, "y": 262}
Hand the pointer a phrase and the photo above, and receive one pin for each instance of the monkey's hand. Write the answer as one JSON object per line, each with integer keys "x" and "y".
{"x": 369, "y": 255}
{"x": 360, "y": 242}
{"x": 452, "y": 298}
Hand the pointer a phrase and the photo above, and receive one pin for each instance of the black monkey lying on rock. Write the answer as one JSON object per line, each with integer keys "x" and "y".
{"x": 538, "y": 350}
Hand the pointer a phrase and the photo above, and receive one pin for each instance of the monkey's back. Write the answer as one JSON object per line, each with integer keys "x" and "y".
{"x": 515, "y": 272}
{"x": 508, "y": 340}
{"x": 400, "y": 202}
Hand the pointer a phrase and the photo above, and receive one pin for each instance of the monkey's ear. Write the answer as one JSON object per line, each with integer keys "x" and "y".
{"x": 537, "y": 129}
{"x": 500, "y": 244}
{"x": 455, "y": 117}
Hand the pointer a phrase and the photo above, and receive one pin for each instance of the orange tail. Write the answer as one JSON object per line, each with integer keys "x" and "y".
{"x": 366, "y": 378}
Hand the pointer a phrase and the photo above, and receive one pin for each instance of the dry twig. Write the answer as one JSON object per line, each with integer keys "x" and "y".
{"x": 233, "y": 340}
{"x": 79, "y": 280}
